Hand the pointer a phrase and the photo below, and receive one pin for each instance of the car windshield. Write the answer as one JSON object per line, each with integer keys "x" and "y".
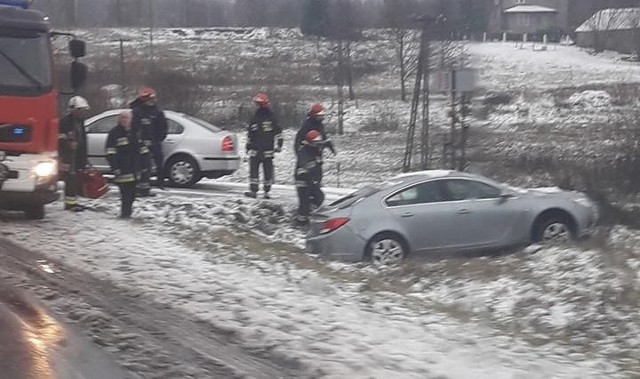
{"x": 25, "y": 62}
{"x": 203, "y": 123}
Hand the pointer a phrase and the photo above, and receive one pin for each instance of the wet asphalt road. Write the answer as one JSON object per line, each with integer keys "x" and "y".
{"x": 35, "y": 345}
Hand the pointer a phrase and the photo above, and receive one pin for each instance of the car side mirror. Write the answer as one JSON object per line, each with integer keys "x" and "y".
{"x": 77, "y": 48}
{"x": 505, "y": 195}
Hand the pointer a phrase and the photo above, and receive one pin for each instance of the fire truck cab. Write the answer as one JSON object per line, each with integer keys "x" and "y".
{"x": 28, "y": 111}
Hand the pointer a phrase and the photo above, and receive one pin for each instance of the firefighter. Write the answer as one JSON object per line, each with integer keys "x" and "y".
{"x": 73, "y": 150}
{"x": 308, "y": 175}
{"x": 264, "y": 139}
{"x": 150, "y": 125}
{"x": 123, "y": 154}
{"x": 314, "y": 121}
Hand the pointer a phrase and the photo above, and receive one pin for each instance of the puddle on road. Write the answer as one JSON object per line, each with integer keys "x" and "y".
{"x": 29, "y": 335}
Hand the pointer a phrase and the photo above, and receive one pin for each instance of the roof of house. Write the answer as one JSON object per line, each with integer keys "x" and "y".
{"x": 612, "y": 19}
{"x": 530, "y": 9}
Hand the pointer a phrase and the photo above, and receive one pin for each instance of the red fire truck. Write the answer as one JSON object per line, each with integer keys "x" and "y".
{"x": 28, "y": 108}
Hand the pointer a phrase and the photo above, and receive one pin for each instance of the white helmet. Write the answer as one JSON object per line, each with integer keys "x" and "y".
{"x": 78, "y": 102}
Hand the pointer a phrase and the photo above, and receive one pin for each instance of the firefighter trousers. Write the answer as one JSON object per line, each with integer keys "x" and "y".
{"x": 146, "y": 164}
{"x": 158, "y": 158}
{"x": 127, "y": 197}
{"x": 309, "y": 196}
{"x": 254, "y": 173}
{"x": 71, "y": 188}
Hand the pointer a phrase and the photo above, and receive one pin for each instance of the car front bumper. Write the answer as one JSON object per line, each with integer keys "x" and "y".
{"x": 15, "y": 201}
{"x": 342, "y": 244}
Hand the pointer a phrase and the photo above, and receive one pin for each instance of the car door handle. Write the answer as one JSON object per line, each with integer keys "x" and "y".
{"x": 464, "y": 211}
{"x": 408, "y": 214}
{"x": 169, "y": 141}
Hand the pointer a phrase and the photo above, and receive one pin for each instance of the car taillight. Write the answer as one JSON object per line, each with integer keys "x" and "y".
{"x": 333, "y": 224}
{"x": 227, "y": 144}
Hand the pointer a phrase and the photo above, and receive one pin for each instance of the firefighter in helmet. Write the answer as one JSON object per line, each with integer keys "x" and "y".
{"x": 264, "y": 139}
{"x": 314, "y": 121}
{"x": 308, "y": 175}
{"x": 150, "y": 125}
{"x": 72, "y": 142}
{"x": 123, "y": 154}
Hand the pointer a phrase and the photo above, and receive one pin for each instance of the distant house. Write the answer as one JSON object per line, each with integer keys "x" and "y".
{"x": 527, "y": 16}
{"x": 611, "y": 29}
{"x": 533, "y": 16}
{"x": 530, "y": 19}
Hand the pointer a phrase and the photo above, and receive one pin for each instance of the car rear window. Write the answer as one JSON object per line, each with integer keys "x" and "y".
{"x": 362, "y": 193}
{"x": 203, "y": 123}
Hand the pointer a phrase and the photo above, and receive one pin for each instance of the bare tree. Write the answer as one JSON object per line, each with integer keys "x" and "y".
{"x": 396, "y": 16}
{"x": 344, "y": 30}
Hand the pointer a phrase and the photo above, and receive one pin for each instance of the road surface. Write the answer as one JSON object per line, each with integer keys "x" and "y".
{"x": 148, "y": 339}
{"x": 35, "y": 345}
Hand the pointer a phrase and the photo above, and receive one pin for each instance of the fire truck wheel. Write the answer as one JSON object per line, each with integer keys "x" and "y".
{"x": 34, "y": 212}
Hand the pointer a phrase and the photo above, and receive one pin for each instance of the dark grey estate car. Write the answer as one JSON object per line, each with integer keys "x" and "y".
{"x": 444, "y": 211}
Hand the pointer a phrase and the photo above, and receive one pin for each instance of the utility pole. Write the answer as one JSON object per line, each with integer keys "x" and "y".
{"x": 424, "y": 140}
{"x": 123, "y": 76}
{"x": 151, "y": 19}
{"x": 454, "y": 119}
{"x": 421, "y": 88}
{"x": 340, "y": 87}
{"x": 465, "y": 99}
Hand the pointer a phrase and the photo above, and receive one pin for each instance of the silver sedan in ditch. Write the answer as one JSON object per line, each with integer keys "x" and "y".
{"x": 444, "y": 211}
{"x": 193, "y": 149}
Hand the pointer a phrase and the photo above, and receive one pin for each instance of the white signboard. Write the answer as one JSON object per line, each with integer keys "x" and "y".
{"x": 465, "y": 80}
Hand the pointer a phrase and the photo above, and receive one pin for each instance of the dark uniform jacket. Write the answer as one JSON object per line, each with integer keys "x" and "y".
{"x": 123, "y": 154}
{"x": 312, "y": 124}
{"x": 72, "y": 130}
{"x": 265, "y": 134}
{"x": 149, "y": 123}
{"x": 308, "y": 166}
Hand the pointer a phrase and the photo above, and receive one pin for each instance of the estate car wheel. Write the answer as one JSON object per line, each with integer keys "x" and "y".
{"x": 386, "y": 250}
{"x": 183, "y": 171}
{"x": 34, "y": 212}
{"x": 553, "y": 229}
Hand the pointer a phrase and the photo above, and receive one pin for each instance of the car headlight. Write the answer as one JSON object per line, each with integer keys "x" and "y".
{"x": 45, "y": 169}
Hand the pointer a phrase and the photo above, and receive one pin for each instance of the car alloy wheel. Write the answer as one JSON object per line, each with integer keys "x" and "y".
{"x": 182, "y": 172}
{"x": 387, "y": 251}
{"x": 556, "y": 231}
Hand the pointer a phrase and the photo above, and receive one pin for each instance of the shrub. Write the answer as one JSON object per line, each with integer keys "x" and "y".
{"x": 385, "y": 121}
{"x": 495, "y": 99}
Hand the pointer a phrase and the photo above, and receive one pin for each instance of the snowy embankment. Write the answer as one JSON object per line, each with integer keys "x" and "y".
{"x": 234, "y": 264}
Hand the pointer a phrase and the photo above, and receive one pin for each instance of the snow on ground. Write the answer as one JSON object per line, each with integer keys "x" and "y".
{"x": 542, "y": 312}
{"x": 234, "y": 263}
{"x": 506, "y": 67}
